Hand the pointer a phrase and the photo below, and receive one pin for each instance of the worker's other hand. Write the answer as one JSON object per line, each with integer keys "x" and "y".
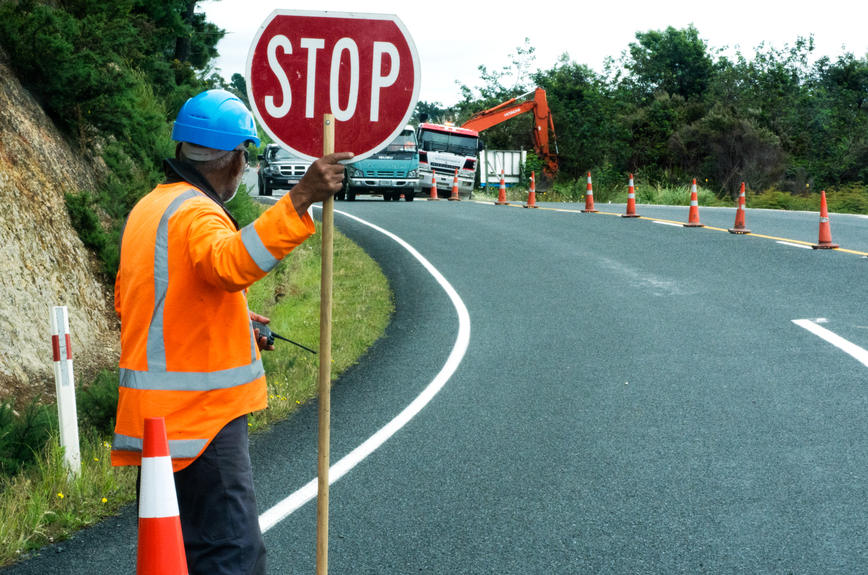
{"x": 262, "y": 342}
{"x": 323, "y": 179}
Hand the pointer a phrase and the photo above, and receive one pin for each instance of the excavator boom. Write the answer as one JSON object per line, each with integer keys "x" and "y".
{"x": 512, "y": 108}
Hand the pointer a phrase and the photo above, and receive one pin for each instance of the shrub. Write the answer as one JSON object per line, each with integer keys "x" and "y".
{"x": 98, "y": 403}
{"x": 22, "y": 436}
{"x": 85, "y": 220}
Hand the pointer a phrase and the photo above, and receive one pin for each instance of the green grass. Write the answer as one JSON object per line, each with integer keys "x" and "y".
{"x": 40, "y": 505}
{"x": 362, "y": 306}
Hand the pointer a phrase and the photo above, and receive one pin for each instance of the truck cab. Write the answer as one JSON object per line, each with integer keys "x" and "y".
{"x": 445, "y": 149}
{"x": 279, "y": 169}
{"x": 390, "y": 172}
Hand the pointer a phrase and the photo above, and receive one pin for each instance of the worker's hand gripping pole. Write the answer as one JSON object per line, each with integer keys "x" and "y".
{"x": 325, "y": 360}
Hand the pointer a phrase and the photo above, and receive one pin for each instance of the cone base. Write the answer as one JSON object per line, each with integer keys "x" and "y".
{"x": 825, "y": 246}
{"x": 590, "y": 211}
{"x": 530, "y": 206}
{"x": 433, "y": 199}
{"x": 694, "y": 225}
{"x": 454, "y": 199}
{"x": 630, "y": 216}
{"x": 501, "y": 203}
{"x": 738, "y": 231}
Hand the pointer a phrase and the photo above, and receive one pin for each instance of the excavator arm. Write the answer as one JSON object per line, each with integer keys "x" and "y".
{"x": 542, "y": 123}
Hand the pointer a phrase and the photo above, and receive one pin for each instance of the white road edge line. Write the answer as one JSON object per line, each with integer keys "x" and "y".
{"x": 668, "y": 224}
{"x": 851, "y": 348}
{"x": 794, "y": 245}
{"x": 283, "y": 509}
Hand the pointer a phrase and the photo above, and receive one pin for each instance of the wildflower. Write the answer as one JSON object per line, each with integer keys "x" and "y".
{"x": 96, "y": 459}
{"x": 104, "y": 500}
{"x": 60, "y": 495}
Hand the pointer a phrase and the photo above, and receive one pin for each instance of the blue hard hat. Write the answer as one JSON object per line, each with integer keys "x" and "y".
{"x": 215, "y": 119}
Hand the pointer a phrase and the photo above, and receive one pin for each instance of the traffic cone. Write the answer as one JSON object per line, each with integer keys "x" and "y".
{"x": 631, "y": 201}
{"x": 501, "y": 199}
{"x": 738, "y": 227}
{"x": 825, "y": 242}
{"x": 693, "y": 218}
{"x": 454, "y": 197}
{"x": 161, "y": 545}
{"x": 433, "y": 197}
{"x": 589, "y": 198}
{"x": 531, "y": 196}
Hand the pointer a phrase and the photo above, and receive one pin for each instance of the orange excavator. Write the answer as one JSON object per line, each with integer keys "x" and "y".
{"x": 542, "y": 121}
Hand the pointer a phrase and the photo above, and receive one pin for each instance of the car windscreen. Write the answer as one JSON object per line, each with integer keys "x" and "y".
{"x": 279, "y": 154}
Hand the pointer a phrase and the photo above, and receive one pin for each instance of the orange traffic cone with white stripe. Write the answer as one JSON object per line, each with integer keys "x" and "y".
{"x": 454, "y": 197}
{"x": 589, "y": 198}
{"x": 531, "y": 196}
{"x": 501, "y": 198}
{"x": 631, "y": 201}
{"x": 693, "y": 218}
{"x": 161, "y": 545}
{"x": 738, "y": 227}
{"x": 825, "y": 241}
{"x": 433, "y": 197}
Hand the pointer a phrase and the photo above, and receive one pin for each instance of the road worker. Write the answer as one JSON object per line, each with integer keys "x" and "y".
{"x": 188, "y": 350}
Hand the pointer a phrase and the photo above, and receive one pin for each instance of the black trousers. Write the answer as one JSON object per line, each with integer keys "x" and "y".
{"x": 219, "y": 520}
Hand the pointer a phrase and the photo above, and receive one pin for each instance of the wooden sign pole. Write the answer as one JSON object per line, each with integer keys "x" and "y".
{"x": 325, "y": 361}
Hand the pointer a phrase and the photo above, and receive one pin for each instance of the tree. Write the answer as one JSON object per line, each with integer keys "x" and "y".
{"x": 673, "y": 61}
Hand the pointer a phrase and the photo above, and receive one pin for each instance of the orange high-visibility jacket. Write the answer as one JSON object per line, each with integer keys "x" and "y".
{"x": 188, "y": 352}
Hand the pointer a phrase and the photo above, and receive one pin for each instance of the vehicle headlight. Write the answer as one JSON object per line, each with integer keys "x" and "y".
{"x": 356, "y": 173}
{"x": 412, "y": 174}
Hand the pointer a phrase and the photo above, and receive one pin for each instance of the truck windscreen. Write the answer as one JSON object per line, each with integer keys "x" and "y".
{"x": 441, "y": 142}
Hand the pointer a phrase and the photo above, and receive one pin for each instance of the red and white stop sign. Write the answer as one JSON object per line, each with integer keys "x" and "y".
{"x": 363, "y": 68}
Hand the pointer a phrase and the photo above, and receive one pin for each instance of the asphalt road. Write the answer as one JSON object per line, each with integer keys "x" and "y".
{"x": 634, "y": 398}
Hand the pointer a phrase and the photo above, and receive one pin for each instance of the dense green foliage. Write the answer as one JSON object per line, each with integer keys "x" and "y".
{"x": 22, "y": 435}
{"x": 112, "y": 75}
{"x": 671, "y": 109}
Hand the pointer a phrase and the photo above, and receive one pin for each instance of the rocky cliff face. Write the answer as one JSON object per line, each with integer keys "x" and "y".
{"x": 42, "y": 261}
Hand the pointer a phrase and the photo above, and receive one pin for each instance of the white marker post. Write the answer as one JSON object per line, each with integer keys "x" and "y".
{"x": 65, "y": 386}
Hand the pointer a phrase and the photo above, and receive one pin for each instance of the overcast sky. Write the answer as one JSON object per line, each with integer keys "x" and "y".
{"x": 454, "y": 37}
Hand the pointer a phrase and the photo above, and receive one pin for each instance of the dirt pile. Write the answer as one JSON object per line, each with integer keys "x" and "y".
{"x": 42, "y": 261}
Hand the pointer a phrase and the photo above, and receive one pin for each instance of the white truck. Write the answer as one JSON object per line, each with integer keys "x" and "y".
{"x": 442, "y": 150}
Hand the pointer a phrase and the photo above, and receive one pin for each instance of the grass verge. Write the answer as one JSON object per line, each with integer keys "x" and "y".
{"x": 41, "y": 505}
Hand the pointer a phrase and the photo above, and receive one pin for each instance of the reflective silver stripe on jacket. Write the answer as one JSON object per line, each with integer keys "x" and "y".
{"x": 191, "y": 380}
{"x": 157, "y": 377}
{"x": 178, "y": 448}
{"x": 257, "y": 250}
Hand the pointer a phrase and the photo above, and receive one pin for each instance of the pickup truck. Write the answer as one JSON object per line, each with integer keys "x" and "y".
{"x": 279, "y": 170}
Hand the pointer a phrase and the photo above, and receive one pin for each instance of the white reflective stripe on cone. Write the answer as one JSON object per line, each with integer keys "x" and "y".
{"x": 694, "y": 203}
{"x": 156, "y": 498}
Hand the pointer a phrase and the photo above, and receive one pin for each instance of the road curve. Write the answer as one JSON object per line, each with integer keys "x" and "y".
{"x": 636, "y": 398}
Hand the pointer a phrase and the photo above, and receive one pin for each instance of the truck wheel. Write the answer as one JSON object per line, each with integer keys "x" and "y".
{"x": 409, "y": 195}
{"x": 266, "y": 191}
{"x": 340, "y": 195}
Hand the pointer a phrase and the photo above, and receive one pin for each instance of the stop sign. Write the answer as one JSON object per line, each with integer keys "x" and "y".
{"x": 363, "y": 68}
